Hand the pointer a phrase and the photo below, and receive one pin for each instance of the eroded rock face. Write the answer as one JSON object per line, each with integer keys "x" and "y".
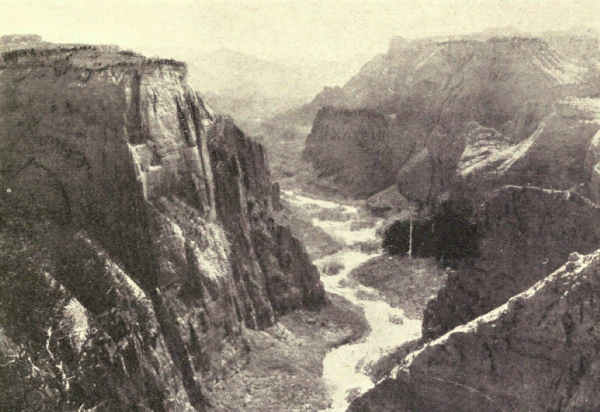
{"x": 118, "y": 154}
{"x": 537, "y": 352}
{"x": 466, "y": 105}
{"x": 592, "y": 163}
{"x": 560, "y": 153}
{"x": 96, "y": 343}
{"x": 523, "y": 233}
{"x": 359, "y": 158}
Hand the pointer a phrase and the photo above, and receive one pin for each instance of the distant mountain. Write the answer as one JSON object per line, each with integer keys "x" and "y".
{"x": 252, "y": 89}
{"x": 226, "y": 70}
{"x": 387, "y": 77}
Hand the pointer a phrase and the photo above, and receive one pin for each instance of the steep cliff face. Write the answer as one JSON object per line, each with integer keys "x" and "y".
{"x": 537, "y": 352}
{"x": 436, "y": 90}
{"x": 522, "y": 234}
{"x": 483, "y": 79}
{"x": 560, "y": 153}
{"x": 94, "y": 344}
{"x": 122, "y": 159}
{"x": 362, "y": 153}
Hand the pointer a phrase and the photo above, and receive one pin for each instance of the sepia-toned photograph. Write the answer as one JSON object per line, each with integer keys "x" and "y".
{"x": 300, "y": 206}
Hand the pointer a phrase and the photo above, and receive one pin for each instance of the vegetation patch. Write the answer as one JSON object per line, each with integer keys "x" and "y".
{"x": 450, "y": 235}
{"x": 407, "y": 283}
{"x": 283, "y": 367}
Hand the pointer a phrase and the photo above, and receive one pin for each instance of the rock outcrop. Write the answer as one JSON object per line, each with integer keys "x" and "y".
{"x": 142, "y": 222}
{"x": 358, "y": 150}
{"x": 522, "y": 169}
{"x": 523, "y": 233}
{"x": 558, "y": 154}
{"x": 360, "y": 159}
{"x": 537, "y": 352}
{"x": 464, "y": 104}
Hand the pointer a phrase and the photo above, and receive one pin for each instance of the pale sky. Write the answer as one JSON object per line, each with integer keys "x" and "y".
{"x": 281, "y": 29}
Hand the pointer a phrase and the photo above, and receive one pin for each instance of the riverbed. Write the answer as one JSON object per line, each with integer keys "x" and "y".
{"x": 345, "y": 369}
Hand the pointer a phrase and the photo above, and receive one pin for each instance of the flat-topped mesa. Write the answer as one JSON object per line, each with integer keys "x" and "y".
{"x": 118, "y": 147}
{"x": 20, "y": 41}
{"x": 20, "y": 38}
{"x": 83, "y": 56}
{"x": 519, "y": 87}
{"x": 536, "y": 352}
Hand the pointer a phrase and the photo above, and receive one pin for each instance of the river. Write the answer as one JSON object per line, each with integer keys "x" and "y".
{"x": 345, "y": 368}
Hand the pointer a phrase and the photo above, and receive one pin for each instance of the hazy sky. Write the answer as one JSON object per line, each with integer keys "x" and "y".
{"x": 281, "y": 29}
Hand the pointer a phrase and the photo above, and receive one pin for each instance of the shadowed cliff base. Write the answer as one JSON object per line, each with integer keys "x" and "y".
{"x": 450, "y": 235}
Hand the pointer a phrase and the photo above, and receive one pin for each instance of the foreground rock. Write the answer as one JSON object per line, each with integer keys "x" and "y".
{"x": 137, "y": 232}
{"x": 537, "y": 352}
{"x": 522, "y": 234}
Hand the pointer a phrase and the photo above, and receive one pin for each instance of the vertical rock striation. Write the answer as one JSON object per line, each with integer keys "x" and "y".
{"x": 125, "y": 164}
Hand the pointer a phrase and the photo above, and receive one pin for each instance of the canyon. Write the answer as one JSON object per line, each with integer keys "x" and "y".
{"x": 480, "y": 153}
{"x": 487, "y": 148}
{"x": 426, "y": 239}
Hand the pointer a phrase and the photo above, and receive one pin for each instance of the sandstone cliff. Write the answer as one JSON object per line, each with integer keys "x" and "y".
{"x": 558, "y": 154}
{"x": 516, "y": 89}
{"x": 141, "y": 230}
{"x": 523, "y": 233}
{"x": 537, "y": 352}
{"x": 357, "y": 149}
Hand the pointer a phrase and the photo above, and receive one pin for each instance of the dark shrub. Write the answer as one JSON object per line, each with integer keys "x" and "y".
{"x": 456, "y": 235}
{"x": 396, "y": 238}
{"x": 449, "y": 235}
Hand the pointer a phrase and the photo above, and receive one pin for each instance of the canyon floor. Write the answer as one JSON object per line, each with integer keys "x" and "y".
{"x": 322, "y": 360}
{"x": 283, "y": 367}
